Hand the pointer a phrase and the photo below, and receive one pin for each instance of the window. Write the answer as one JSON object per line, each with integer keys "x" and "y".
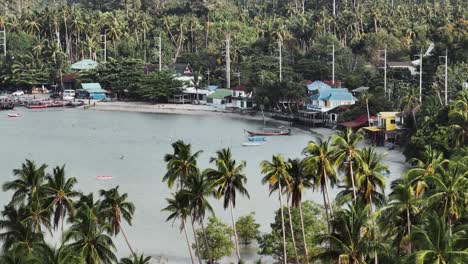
{"x": 392, "y": 121}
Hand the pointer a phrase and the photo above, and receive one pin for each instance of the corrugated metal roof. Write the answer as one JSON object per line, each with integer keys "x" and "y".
{"x": 333, "y": 94}
{"x": 318, "y": 85}
{"x": 93, "y": 88}
{"x": 387, "y": 114}
{"x": 84, "y": 65}
{"x": 220, "y": 94}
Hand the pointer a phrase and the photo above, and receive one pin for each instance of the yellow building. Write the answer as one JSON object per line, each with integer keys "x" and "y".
{"x": 387, "y": 120}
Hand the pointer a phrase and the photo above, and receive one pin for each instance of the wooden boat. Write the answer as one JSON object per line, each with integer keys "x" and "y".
{"x": 274, "y": 133}
{"x": 257, "y": 138}
{"x": 37, "y": 106}
{"x": 14, "y": 115}
{"x": 249, "y": 144}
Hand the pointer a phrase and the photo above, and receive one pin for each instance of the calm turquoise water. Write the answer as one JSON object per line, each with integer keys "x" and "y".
{"x": 91, "y": 144}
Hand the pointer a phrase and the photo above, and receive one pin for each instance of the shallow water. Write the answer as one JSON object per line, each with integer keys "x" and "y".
{"x": 93, "y": 143}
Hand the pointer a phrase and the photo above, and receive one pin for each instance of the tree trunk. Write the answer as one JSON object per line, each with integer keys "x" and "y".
{"x": 292, "y": 233}
{"x": 409, "y": 229}
{"x": 208, "y": 249}
{"x": 328, "y": 196}
{"x": 352, "y": 177}
{"x": 326, "y": 209}
{"x": 126, "y": 240}
{"x": 285, "y": 258}
{"x": 235, "y": 232}
{"x": 188, "y": 242}
{"x": 303, "y": 234}
{"x": 197, "y": 246}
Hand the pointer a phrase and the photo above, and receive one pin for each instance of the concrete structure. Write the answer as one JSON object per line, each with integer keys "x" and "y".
{"x": 218, "y": 97}
{"x": 94, "y": 90}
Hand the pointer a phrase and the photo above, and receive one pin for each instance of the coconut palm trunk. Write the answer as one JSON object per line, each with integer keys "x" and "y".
{"x": 126, "y": 240}
{"x": 409, "y": 229}
{"x": 197, "y": 246}
{"x": 351, "y": 172}
{"x": 325, "y": 204}
{"x": 205, "y": 238}
{"x": 188, "y": 242}
{"x": 303, "y": 234}
{"x": 292, "y": 231}
{"x": 235, "y": 231}
{"x": 285, "y": 258}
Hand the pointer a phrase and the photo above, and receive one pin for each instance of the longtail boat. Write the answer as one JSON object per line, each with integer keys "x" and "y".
{"x": 257, "y": 138}
{"x": 274, "y": 133}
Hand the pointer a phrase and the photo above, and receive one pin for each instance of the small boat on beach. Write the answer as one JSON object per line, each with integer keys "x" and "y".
{"x": 250, "y": 144}
{"x": 14, "y": 115}
{"x": 257, "y": 138}
{"x": 273, "y": 133}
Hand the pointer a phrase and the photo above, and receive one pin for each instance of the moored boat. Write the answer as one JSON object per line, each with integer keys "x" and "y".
{"x": 14, "y": 115}
{"x": 37, "y": 106}
{"x": 257, "y": 138}
{"x": 273, "y": 133}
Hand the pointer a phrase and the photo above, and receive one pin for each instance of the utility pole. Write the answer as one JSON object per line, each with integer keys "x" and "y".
{"x": 228, "y": 61}
{"x": 105, "y": 45}
{"x": 334, "y": 8}
{"x": 333, "y": 65}
{"x": 208, "y": 75}
{"x": 280, "y": 45}
{"x": 446, "y": 76}
{"x": 385, "y": 69}
{"x": 159, "y": 53}
{"x": 3, "y": 40}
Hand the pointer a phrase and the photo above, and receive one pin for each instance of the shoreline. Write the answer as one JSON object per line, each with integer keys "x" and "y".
{"x": 181, "y": 109}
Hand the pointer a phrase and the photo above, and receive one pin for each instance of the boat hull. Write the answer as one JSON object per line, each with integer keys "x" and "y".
{"x": 257, "y": 138}
{"x": 280, "y": 133}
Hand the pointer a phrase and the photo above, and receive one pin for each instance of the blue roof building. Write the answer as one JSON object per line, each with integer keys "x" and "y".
{"x": 317, "y": 85}
{"x": 95, "y": 91}
{"x": 328, "y": 98}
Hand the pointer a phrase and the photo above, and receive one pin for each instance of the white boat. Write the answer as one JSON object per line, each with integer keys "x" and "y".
{"x": 248, "y": 144}
{"x": 14, "y": 115}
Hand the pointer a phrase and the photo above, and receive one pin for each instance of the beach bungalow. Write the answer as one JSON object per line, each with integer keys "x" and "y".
{"x": 218, "y": 98}
{"x": 386, "y": 127}
{"x": 325, "y": 99}
{"x": 240, "y": 99}
{"x": 94, "y": 90}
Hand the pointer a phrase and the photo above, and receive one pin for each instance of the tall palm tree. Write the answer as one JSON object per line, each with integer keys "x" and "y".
{"x": 181, "y": 164}
{"x": 300, "y": 180}
{"x": 37, "y": 215}
{"x": 228, "y": 179}
{"x": 198, "y": 189}
{"x": 136, "y": 260}
{"x": 179, "y": 208}
{"x": 459, "y": 118}
{"x": 29, "y": 184}
{"x": 448, "y": 194}
{"x": 319, "y": 162}
{"x": 403, "y": 206}
{"x": 370, "y": 177}
{"x": 409, "y": 102}
{"x": 115, "y": 206}
{"x": 47, "y": 254}
{"x": 431, "y": 162}
{"x": 349, "y": 241}
{"x": 60, "y": 192}
{"x": 88, "y": 234}
{"x": 276, "y": 174}
{"x": 436, "y": 244}
{"x": 347, "y": 153}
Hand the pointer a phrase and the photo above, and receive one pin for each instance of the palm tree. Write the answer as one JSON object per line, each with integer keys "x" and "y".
{"x": 37, "y": 215}
{"x": 88, "y": 235}
{"x": 347, "y": 153}
{"x": 229, "y": 180}
{"x": 349, "y": 241}
{"x": 459, "y": 118}
{"x": 409, "y": 102}
{"x": 179, "y": 208}
{"x": 181, "y": 164}
{"x": 17, "y": 256}
{"x": 319, "y": 162}
{"x": 198, "y": 188}
{"x": 276, "y": 174}
{"x": 300, "y": 180}
{"x": 59, "y": 191}
{"x": 136, "y": 260}
{"x": 115, "y": 206}
{"x": 48, "y": 254}
{"x": 29, "y": 183}
{"x": 431, "y": 162}
{"x": 370, "y": 177}
{"x": 448, "y": 194}
{"x": 403, "y": 206}
{"x": 436, "y": 244}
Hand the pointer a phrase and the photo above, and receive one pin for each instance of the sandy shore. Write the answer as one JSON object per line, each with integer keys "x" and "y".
{"x": 187, "y": 109}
